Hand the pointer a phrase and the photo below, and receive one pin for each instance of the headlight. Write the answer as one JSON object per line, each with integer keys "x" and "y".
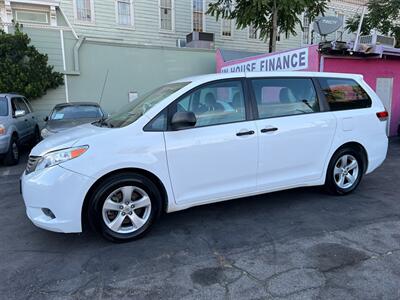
{"x": 57, "y": 157}
{"x": 2, "y": 129}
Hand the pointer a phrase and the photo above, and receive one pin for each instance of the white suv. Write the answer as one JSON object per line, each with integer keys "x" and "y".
{"x": 206, "y": 139}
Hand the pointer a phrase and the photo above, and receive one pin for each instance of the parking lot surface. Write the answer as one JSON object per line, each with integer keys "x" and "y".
{"x": 297, "y": 244}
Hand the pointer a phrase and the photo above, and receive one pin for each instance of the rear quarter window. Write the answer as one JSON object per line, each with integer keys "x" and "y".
{"x": 3, "y": 107}
{"x": 343, "y": 94}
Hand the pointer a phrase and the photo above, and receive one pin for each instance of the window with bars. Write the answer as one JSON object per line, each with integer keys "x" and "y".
{"x": 339, "y": 32}
{"x": 84, "y": 10}
{"x": 253, "y": 32}
{"x": 226, "y": 27}
{"x": 198, "y": 15}
{"x": 306, "y": 28}
{"x": 166, "y": 14}
{"x": 124, "y": 12}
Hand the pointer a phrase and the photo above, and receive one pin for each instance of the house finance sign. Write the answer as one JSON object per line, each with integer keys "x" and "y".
{"x": 285, "y": 61}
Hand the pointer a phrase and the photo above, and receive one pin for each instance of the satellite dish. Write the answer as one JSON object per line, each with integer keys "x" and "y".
{"x": 327, "y": 25}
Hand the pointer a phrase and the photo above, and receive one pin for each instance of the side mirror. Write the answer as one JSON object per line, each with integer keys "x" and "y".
{"x": 19, "y": 113}
{"x": 183, "y": 120}
{"x": 46, "y": 118}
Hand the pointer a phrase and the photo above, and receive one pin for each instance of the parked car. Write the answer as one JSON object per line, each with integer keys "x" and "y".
{"x": 68, "y": 115}
{"x": 178, "y": 147}
{"x": 17, "y": 126}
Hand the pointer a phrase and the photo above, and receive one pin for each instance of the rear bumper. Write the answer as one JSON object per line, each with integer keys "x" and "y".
{"x": 377, "y": 152}
{"x": 57, "y": 190}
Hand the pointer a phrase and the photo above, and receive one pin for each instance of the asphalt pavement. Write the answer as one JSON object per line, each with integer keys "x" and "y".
{"x": 297, "y": 244}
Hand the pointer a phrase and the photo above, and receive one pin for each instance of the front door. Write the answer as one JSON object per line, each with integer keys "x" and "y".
{"x": 22, "y": 123}
{"x": 295, "y": 136}
{"x": 217, "y": 159}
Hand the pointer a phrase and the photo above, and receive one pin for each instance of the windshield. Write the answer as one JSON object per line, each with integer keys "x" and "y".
{"x": 76, "y": 112}
{"x": 133, "y": 111}
{"x": 3, "y": 107}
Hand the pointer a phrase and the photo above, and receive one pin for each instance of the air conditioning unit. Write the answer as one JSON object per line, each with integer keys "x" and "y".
{"x": 376, "y": 39}
{"x": 203, "y": 40}
{"x": 181, "y": 43}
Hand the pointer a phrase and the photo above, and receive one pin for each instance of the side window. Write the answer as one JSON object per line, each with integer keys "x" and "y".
{"x": 343, "y": 94}
{"x": 278, "y": 97}
{"x": 22, "y": 105}
{"x": 159, "y": 123}
{"x": 28, "y": 104}
{"x": 217, "y": 103}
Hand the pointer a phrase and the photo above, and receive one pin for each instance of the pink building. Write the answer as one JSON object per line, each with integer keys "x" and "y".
{"x": 381, "y": 69}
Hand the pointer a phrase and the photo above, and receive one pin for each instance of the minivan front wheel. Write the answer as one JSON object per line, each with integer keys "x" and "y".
{"x": 344, "y": 172}
{"x": 124, "y": 207}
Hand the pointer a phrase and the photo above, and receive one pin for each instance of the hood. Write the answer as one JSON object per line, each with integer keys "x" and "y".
{"x": 61, "y": 125}
{"x": 67, "y": 138}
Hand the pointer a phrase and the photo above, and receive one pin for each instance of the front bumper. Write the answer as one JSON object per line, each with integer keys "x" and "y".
{"x": 59, "y": 190}
{"x": 4, "y": 143}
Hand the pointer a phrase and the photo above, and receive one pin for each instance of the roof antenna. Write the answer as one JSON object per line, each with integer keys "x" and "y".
{"x": 104, "y": 85}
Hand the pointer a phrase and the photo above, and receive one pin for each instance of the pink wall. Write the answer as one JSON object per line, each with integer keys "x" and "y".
{"x": 372, "y": 69}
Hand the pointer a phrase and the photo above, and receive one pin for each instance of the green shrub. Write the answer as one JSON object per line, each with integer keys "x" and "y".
{"x": 23, "y": 69}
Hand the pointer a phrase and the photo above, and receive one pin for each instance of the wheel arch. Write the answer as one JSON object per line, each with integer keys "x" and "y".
{"x": 358, "y": 147}
{"x": 155, "y": 179}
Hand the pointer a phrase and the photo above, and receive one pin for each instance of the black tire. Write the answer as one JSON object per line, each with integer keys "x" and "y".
{"x": 11, "y": 158}
{"x": 100, "y": 194}
{"x": 36, "y": 137}
{"x": 330, "y": 184}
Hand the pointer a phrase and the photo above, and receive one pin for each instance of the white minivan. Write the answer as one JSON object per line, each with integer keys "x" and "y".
{"x": 206, "y": 139}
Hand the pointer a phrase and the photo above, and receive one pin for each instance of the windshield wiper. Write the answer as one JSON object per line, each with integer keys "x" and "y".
{"x": 103, "y": 122}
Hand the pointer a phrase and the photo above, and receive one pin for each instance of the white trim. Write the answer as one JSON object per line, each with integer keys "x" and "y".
{"x": 92, "y": 14}
{"x": 64, "y": 65}
{"x": 204, "y": 15}
{"x": 132, "y": 11}
{"x": 34, "y": 2}
{"x": 172, "y": 18}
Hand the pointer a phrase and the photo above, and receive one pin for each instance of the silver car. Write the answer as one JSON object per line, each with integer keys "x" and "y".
{"x": 18, "y": 125}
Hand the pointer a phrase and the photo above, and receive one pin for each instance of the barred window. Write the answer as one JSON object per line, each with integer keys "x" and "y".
{"x": 198, "y": 15}
{"x": 124, "y": 11}
{"x": 253, "y": 32}
{"x": 166, "y": 14}
{"x": 226, "y": 27}
{"x": 84, "y": 10}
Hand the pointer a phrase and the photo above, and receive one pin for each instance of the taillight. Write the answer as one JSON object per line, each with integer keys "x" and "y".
{"x": 383, "y": 115}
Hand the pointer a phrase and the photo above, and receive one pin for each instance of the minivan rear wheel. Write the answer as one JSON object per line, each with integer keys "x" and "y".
{"x": 345, "y": 172}
{"x": 124, "y": 207}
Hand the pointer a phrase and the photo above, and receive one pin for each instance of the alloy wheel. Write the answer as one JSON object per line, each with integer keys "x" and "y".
{"x": 346, "y": 171}
{"x": 126, "y": 209}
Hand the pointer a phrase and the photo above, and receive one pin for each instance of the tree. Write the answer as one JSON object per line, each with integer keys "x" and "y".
{"x": 23, "y": 69}
{"x": 270, "y": 17}
{"x": 383, "y": 15}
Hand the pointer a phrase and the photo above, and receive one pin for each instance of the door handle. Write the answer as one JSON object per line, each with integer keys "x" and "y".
{"x": 269, "y": 129}
{"x": 242, "y": 133}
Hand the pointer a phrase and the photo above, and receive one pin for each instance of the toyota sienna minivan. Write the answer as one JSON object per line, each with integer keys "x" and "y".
{"x": 206, "y": 139}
